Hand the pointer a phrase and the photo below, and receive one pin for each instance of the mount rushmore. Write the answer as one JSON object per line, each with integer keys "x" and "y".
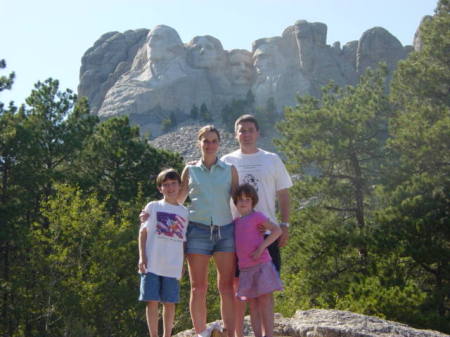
{"x": 150, "y": 74}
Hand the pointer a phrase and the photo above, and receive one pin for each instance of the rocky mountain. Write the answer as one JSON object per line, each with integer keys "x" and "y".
{"x": 150, "y": 74}
{"x": 335, "y": 323}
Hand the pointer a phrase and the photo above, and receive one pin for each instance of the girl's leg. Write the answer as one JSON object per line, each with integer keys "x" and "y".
{"x": 198, "y": 275}
{"x": 226, "y": 266}
{"x": 255, "y": 317}
{"x": 168, "y": 317}
{"x": 265, "y": 304}
{"x": 151, "y": 312}
{"x": 239, "y": 307}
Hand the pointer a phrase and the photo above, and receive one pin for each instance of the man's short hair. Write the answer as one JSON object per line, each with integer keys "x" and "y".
{"x": 246, "y": 118}
{"x": 247, "y": 190}
{"x": 167, "y": 174}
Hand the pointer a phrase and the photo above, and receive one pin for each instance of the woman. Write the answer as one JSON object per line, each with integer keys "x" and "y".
{"x": 209, "y": 184}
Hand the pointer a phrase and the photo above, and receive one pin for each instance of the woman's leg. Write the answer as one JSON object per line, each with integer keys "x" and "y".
{"x": 198, "y": 275}
{"x": 239, "y": 311}
{"x": 152, "y": 318}
{"x": 168, "y": 317}
{"x": 226, "y": 267}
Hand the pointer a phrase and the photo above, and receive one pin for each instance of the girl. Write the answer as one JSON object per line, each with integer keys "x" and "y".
{"x": 258, "y": 278}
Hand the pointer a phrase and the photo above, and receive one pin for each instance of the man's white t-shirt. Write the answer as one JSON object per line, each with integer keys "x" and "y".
{"x": 166, "y": 233}
{"x": 265, "y": 172}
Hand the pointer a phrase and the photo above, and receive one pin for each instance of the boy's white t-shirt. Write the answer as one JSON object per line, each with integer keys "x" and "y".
{"x": 266, "y": 173}
{"x": 166, "y": 234}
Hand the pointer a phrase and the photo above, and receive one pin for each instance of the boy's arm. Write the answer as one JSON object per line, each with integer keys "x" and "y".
{"x": 142, "y": 255}
{"x": 275, "y": 232}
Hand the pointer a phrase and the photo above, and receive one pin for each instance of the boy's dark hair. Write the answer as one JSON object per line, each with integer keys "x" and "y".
{"x": 167, "y": 174}
{"x": 247, "y": 190}
{"x": 246, "y": 118}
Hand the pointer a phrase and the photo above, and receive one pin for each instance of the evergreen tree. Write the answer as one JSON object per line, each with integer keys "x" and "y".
{"x": 123, "y": 162}
{"x": 205, "y": 115}
{"x": 38, "y": 143}
{"x": 335, "y": 147}
{"x": 194, "y": 112}
{"x": 6, "y": 82}
{"x": 166, "y": 124}
{"x": 416, "y": 215}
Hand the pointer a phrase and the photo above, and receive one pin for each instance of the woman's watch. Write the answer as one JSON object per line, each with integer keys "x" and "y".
{"x": 284, "y": 224}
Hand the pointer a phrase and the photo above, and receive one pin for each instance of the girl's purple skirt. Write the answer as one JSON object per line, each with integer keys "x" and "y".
{"x": 258, "y": 280}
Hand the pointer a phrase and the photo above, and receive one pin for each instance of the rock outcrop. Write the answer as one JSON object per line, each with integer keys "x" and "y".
{"x": 335, "y": 323}
{"x": 150, "y": 74}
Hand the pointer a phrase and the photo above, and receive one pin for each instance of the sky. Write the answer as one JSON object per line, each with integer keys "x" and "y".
{"x": 47, "y": 38}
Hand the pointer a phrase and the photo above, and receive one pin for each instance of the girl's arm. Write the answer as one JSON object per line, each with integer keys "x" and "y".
{"x": 275, "y": 233}
{"x": 142, "y": 240}
{"x": 184, "y": 188}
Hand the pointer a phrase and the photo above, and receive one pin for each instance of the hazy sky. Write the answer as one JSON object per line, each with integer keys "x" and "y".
{"x": 47, "y": 38}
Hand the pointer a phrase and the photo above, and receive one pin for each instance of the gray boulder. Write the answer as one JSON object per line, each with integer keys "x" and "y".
{"x": 150, "y": 75}
{"x": 103, "y": 63}
{"x": 334, "y": 323}
{"x": 376, "y": 45}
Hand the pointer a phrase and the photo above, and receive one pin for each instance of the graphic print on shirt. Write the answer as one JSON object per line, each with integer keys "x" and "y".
{"x": 251, "y": 180}
{"x": 170, "y": 225}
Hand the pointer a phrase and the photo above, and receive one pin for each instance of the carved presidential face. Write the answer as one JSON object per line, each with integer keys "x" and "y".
{"x": 266, "y": 59}
{"x": 241, "y": 66}
{"x": 163, "y": 43}
{"x": 205, "y": 52}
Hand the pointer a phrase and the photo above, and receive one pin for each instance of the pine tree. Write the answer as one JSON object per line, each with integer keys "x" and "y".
{"x": 194, "y": 112}
{"x": 416, "y": 217}
{"x": 205, "y": 115}
{"x": 335, "y": 147}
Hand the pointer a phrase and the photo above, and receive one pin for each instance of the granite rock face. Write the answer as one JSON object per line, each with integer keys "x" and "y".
{"x": 334, "y": 323}
{"x": 150, "y": 74}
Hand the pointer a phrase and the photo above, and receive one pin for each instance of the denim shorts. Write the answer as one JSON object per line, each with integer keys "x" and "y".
{"x": 207, "y": 240}
{"x": 159, "y": 288}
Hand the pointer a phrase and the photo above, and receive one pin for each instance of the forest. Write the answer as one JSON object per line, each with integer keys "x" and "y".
{"x": 370, "y": 214}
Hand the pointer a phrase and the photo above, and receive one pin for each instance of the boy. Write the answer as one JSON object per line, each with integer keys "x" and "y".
{"x": 161, "y": 239}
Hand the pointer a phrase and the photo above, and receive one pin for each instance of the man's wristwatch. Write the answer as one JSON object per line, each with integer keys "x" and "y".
{"x": 284, "y": 224}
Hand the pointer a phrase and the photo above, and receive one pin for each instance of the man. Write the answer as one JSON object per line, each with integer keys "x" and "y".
{"x": 266, "y": 172}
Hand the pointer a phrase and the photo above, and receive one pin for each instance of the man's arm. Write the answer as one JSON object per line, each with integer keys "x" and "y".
{"x": 284, "y": 207}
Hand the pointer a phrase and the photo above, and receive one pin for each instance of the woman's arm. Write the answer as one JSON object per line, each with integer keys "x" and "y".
{"x": 184, "y": 188}
{"x": 234, "y": 179}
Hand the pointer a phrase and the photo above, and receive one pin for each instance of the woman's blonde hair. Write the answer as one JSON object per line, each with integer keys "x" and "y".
{"x": 207, "y": 128}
